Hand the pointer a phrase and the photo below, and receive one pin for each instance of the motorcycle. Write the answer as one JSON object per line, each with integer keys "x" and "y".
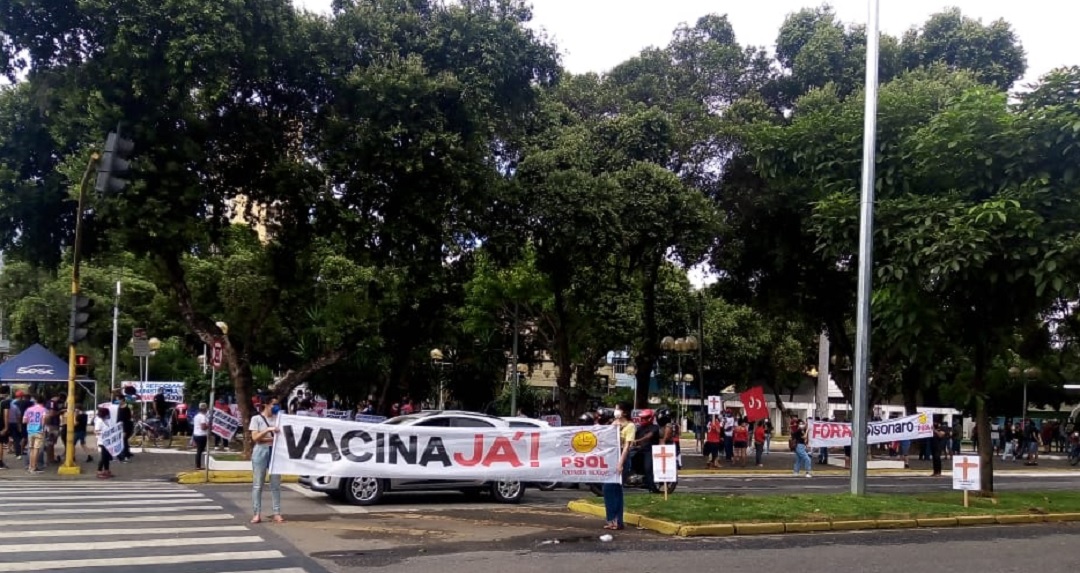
{"x": 635, "y": 478}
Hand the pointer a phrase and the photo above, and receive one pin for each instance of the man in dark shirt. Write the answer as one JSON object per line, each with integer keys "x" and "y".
{"x": 161, "y": 408}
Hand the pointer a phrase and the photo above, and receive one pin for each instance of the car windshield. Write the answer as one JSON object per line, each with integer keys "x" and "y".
{"x": 407, "y": 418}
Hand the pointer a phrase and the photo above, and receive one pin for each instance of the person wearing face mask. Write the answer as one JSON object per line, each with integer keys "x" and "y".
{"x": 613, "y": 492}
{"x": 263, "y": 428}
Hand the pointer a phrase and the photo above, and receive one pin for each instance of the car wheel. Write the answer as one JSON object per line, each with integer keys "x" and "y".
{"x": 596, "y": 489}
{"x": 661, "y": 487}
{"x": 507, "y": 491}
{"x": 547, "y": 486}
{"x": 364, "y": 490}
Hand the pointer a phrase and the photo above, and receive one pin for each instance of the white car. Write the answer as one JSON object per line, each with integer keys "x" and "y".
{"x": 369, "y": 490}
{"x": 520, "y": 422}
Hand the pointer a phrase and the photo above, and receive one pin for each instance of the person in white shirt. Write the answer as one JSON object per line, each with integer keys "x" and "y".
{"x": 102, "y": 422}
{"x": 199, "y": 431}
{"x": 263, "y": 427}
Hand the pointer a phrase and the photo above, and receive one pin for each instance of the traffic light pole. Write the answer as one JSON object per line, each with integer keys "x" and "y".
{"x": 70, "y": 467}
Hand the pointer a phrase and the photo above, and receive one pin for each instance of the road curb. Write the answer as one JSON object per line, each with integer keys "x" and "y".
{"x": 777, "y": 528}
{"x": 223, "y": 476}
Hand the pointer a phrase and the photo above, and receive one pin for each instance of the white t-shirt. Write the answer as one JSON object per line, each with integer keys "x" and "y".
{"x": 259, "y": 423}
{"x": 100, "y": 425}
{"x": 198, "y": 430}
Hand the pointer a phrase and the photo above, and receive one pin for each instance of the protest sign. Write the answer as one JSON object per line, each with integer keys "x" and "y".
{"x": 320, "y": 446}
{"x": 554, "y": 420}
{"x": 224, "y": 425}
{"x": 174, "y": 391}
{"x": 113, "y": 439}
{"x": 370, "y": 418}
{"x": 837, "y": 434}
{"x": 337, "y": 414}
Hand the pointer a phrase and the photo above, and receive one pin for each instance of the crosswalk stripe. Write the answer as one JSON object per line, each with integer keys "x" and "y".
{"x": 35, "y": 511}
{"x": 154, "y": 497}
{"x": 286, "y": 570}
{"x": 156, "y": 502}
{"x": 24, "y": 535}
{"x": 156, "y": 560}
{"x": 127, "y": 519}
{"x": 108, "y": 501}
{"x": 103, "y": 545}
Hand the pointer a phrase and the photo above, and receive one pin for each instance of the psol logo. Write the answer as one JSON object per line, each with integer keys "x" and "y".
{"x": 35, "y": 369}
{"x": 583, "y": 442}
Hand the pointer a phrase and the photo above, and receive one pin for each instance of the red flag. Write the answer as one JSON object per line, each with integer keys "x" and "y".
{"x": 754, "y": 403}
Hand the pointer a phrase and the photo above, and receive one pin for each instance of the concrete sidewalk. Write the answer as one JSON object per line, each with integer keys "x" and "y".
{"x": 153, "y": 464}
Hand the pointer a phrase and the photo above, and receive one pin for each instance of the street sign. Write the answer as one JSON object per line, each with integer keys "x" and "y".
{"x": 140, "y": 343}
{"x": 965, "y": 473}
{"x": 216, "y": 354}
{"x": 664, "y": 465}
{"x": 716, "y": 405}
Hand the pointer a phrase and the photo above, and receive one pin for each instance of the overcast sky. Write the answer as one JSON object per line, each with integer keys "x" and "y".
{"x": 596, "y": 35}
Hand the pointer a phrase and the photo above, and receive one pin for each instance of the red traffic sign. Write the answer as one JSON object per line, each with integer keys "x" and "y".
{"x": 215, "y": 355}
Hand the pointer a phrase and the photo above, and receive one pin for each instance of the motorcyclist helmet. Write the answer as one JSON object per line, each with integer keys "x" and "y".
{"x": 646, "y": 416}
{"x": 605, "y": 416}
{"x": 586, "y": 419}
{"x": 663, "y": 416}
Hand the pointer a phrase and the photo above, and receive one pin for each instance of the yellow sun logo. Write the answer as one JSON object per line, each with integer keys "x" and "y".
{"x": 583, "y": 442}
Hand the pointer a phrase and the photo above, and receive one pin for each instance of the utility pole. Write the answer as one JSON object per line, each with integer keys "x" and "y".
{"x": 514, "y": 373}
{"x": 866, "y": 252}
{"x": 115, "y": 336}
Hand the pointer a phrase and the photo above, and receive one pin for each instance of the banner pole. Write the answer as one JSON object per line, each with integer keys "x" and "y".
{"x": 210, "y": 420}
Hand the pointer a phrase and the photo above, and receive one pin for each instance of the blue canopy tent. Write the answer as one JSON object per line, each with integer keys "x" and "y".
{"x": 36, "y": 365}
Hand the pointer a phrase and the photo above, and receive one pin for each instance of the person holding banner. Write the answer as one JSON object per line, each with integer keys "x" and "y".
{"x": 614, "y": 501}
{"x": 263, "y": 427}
{"x": 101, "y": 424}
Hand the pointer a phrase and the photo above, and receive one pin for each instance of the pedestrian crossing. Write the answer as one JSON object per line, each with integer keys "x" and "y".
{"x": 124, "y": 527}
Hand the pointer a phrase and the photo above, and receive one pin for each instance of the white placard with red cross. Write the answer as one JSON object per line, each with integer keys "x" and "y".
{"x": 716, "y": 405}
{"x": 665, "y": 466}
{"x": 965, "y": 473}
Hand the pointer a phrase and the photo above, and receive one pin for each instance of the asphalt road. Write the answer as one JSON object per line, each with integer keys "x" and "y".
{"x": 457, "y": 534}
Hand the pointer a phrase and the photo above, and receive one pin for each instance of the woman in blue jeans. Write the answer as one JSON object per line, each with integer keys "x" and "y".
{"x": 263, "y": 427}
{"x": 614, "y": 503}
{"x": 802, "y": 458}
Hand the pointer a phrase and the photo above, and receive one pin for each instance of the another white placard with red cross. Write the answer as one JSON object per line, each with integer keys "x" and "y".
{"x": 665, "y": 465}
{"x": 965, "y": 473}
{"x": 716, "y": 405}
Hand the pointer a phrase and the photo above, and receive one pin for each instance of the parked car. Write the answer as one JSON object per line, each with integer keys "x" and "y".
{"x": 520, "y": 422}
{"x": 369, "y": 490}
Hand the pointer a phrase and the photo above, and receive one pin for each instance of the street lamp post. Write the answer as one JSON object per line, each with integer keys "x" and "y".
{"x": 437, "y": 363}
{"x": 680, "y": 347}
{"x": 631, "y": 370}
{"x": 1030, "y": 373}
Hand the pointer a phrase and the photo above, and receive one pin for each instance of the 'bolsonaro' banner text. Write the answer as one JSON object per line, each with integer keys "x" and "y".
{"x": 836, "y": 434}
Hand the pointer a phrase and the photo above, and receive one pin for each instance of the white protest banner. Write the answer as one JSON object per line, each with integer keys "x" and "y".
{"x": 337, "y": 414}
{"x": 665, "y": 468}
{"x": 224, "y": 425}
{"x": 370, "y": 418}
{"x": 174, "y": 391}
{"x": 716, "y": 405}
{"x": 836, "y": 434}
{"x": 965, "y": 473}
{"x": 318, "y": 446}
{"x": 113, "y": 439}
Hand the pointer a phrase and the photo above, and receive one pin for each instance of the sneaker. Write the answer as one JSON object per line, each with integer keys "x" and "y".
{"x": 35, "y": 472}
{"x": 89, "y": 459}
{"x": 809, "y": 475}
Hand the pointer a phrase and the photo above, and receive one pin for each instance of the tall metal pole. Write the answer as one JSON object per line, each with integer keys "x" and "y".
{"x": 699, "y": 425}
{"x": 514, "y": 372}
{"x": 70, "y": 467}
{"x": 115, "y": 337}
{"x": 210, "y": 420}
{"x": 866, "y": 248}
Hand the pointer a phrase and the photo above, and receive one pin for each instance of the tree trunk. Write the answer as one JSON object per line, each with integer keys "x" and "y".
{"x": 650, "y": 336}
{"x": 982, "y": 421}
{"x": 240, "y": 373}
{"x": 911, "y": 381}
{"x": 561, "y": 351}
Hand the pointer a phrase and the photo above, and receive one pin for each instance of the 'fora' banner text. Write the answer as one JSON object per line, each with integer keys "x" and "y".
{"x": 325, "y": 447}
{"x": 835, "y": 434}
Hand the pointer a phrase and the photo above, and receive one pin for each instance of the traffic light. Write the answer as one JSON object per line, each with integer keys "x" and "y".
{"x": 114, "y": 163}
{"x": 80, "y": 315}
{"x": 82, "y": 366}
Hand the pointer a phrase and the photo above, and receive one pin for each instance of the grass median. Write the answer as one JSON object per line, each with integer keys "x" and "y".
{"x": 694, "y": 509}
